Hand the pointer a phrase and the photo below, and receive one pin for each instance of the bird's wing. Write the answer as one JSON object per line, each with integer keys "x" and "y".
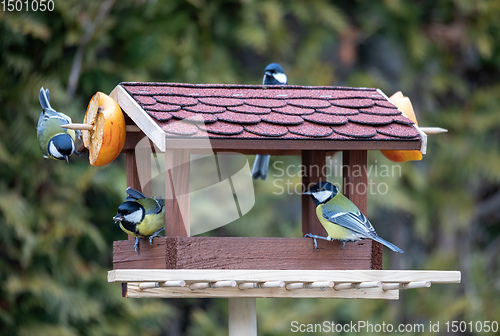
{"x": 151, "y": 205}
{"x": 356, "y": 222}
{"x": 340, "y": 210}
{"x": 134, "y": 195}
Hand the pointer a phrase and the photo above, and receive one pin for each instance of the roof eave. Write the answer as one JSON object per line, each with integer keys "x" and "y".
{"x": 146, "y": 124}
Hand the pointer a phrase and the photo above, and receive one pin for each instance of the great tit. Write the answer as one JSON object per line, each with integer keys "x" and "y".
{"x": 341, "y": 218}
{"x": 273, "y": 75}
{"x": 141, "y": 217}
{"x": 55, "y": 142}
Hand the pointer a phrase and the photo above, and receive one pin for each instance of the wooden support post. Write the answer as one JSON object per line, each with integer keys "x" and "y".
{"x": 132, "y": 174}
{"x": 177, "y": 164}
{"x": 242, "y": 316}
{"x": 355, "y": 179}
{"x": 314, "y": 164}
{"x": 355, "y": 187}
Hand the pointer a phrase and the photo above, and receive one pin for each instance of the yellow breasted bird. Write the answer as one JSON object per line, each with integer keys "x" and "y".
{"x": 341, "y": 218}
{"x": 141, "y": 217}
{"x": 56, "y": 142}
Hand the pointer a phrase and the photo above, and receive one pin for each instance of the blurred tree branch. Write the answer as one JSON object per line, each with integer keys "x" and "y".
{"x": 90, "y": 29}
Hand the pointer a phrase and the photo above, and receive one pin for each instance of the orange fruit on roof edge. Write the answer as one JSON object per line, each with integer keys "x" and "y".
{"x": 106, "y": 140}
{"x": 404, "y": 104}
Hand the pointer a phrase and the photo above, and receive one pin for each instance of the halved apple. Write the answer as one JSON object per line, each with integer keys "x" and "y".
{"x": 106, "y": 139}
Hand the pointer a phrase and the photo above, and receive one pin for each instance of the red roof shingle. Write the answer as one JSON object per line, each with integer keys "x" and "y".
{"x": 270, "y": 112}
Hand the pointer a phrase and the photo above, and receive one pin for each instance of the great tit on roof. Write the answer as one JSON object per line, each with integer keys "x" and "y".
{"x": 141, "y": 217}
{"x": 55, "y": 142}
{"x": 341, "y": 218}
{"x": 273, "y": 75}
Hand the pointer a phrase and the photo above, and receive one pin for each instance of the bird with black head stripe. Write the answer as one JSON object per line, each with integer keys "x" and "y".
{"x": 141, "y": 217}
{"x": 56, "y": 142}
{"x": 341, "y": 218}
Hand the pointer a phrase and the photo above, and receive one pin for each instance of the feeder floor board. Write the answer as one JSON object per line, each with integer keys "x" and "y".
{"x": 245, "y": 253}
{"x": 367, "y": 284}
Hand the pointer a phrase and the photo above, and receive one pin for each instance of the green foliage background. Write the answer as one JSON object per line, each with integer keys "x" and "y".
{"x": 56, "y": 231}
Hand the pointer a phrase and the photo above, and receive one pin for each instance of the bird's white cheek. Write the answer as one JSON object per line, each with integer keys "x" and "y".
{"x": 54, "y": 152}
{"x": 322, "y": 196}
{"x": 280, "y": 77}
{"x": 134, "y": 217}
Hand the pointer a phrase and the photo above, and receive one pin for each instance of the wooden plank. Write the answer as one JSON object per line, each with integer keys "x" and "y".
{"x": 177, "y": 165}
{"x": 364, "y": 293}
{"x": 355, "y": 179}
{"x": 314, "y": 163}
{"x": 355, "y": 187}
{"x": 243, "y": 253}
{"x": 124, "y": 256}
{"x": 242, "y": 316}
{"x": 306, "y": 275}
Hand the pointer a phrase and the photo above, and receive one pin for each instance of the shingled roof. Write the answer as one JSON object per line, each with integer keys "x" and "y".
{"x": 300, "y": 117}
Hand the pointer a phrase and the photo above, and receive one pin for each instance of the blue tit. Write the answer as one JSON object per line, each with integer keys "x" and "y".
{"x": 273, "y": 75}
{"x": 141, "y": 217}
{"x": 341, "y": 218}
{"x": 55, "y": 142}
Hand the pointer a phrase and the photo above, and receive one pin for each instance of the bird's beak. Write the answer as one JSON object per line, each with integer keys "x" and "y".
{"x": 67, "y": 158}
{"x": 307, "y": 193}
{"x": 118, "y": 218}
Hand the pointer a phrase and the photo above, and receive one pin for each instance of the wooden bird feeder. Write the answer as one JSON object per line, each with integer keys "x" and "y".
{"x": 276, "y": 120}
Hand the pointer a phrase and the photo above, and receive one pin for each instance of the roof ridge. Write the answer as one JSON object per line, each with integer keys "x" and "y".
{"x": 249, "y": 86}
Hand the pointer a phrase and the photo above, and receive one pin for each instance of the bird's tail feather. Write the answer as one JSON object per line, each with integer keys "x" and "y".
{"x": 44, "y": 99}
{"x": 133, "y": 195}
{"x": 388, "y": 244}
{"x": 260, "y": 166}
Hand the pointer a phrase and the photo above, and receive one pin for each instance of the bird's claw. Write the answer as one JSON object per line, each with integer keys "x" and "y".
{"x": 136, "y": 245}
{"x": 154, "y": 235}
{"x": 310, "y": 235}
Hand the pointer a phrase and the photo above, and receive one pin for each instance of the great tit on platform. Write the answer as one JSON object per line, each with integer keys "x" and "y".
{"x": 55, "y": 142}
{"x": 141, "y": 217}
{"x": 341, "y": 218}
{"x": 273, "y": 75}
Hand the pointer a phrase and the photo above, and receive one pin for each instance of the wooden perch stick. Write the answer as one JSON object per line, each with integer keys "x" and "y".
{"x": 345, "y": 285}
{"x": 272, "y": 284}
{"x": 247, "y": 285}
{"x": 172, "y": 283}
{"x": 199, "y": 285}
{"x": 321, "y": 284}
{"x": 266, "y": 284}
{"x": 309, "y": 285}
{"x": 216, "y": 284}
{"x": 75, "y": 126}
{"x": 433, "y": 130}
{"x": 295, "y": 285}
{"x": 417, "y": 284}
{"x": 224, "y": 283}
{"x": 368, "y": 284}
{"x": 407, "y": 285}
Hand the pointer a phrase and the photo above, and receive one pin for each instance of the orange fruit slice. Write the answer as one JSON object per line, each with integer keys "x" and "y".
{"x": 107, "y": 138}
{"x": 404, "y": 104}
